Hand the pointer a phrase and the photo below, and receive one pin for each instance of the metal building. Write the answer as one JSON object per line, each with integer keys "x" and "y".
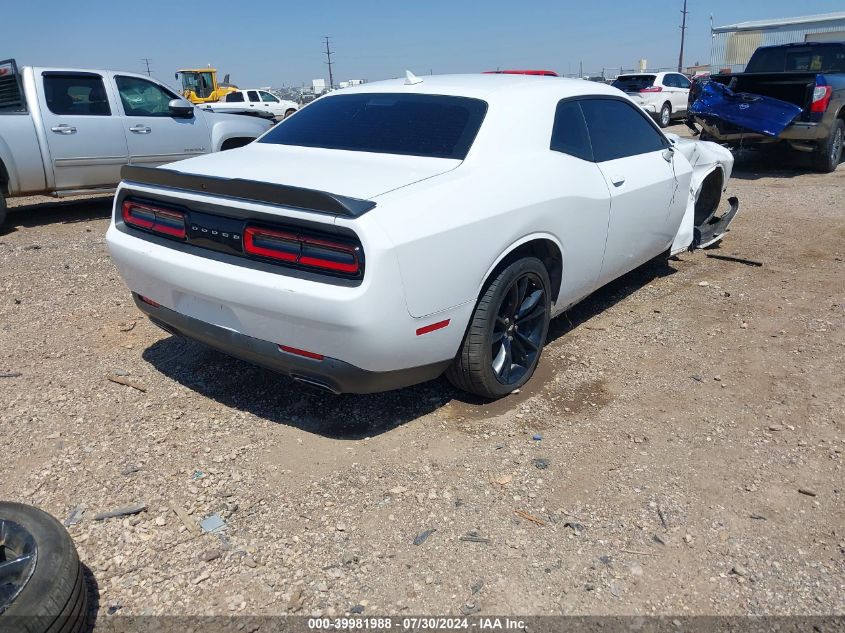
{"x": 732, "y": 45}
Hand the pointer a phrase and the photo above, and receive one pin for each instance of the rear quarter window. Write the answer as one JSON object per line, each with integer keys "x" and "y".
{"x": 569, "y": 134}
{"x": 437, "y": 126}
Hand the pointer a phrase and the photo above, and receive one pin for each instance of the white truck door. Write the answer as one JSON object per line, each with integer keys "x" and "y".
{"x": 153, "y": 134}
{"x": 84, "y": 133}
{"x": 270, "y": 103}
{"x": 648, "y": 187}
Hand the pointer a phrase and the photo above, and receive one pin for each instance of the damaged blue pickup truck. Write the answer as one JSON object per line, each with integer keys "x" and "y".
{"x": 791, "y": 94}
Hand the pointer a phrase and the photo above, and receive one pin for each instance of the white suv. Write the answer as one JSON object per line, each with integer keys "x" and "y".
{"x": 663, "y": 95}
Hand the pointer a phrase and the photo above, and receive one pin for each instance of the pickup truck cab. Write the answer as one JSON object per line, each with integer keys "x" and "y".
{"x": 254, "y": 101}
{"x": 809, "y": 75}
{"x": 69, "y": 131}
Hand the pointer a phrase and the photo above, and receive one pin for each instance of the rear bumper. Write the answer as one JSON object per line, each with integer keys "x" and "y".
{"x": 328, "y": 373}
{"x": 800, "y": 132}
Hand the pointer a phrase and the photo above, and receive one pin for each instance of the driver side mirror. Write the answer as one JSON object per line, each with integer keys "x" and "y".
{"x": 181, "y": 108}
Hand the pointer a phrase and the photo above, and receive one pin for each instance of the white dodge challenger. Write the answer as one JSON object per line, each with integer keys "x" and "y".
{"x": 393, "y": 231}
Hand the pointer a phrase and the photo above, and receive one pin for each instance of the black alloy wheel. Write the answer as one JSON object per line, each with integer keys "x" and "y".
{"x": 506, "y": 334}
{"x": 519, "y": 329}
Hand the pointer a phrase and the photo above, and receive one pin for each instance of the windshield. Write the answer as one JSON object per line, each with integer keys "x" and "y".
{"x": 634, "y": 83}
{"x": 437, "y": 126}
{"x": 820, "y": 58}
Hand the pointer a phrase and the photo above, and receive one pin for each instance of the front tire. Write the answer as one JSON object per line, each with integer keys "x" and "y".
{"x": 664, "y": 117}
{"x": 506, "y": 335}
{"x": 828, "y": 157}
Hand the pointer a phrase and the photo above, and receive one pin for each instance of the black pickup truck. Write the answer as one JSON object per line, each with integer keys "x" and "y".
{"x": 810, "y": 75}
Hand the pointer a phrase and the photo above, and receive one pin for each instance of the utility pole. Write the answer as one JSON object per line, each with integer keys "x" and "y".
{"x": 329, "y": 62}
{"x": 683, "y": 31}
{"x": 147, "y": 61}
{"x": 580, "y": 70}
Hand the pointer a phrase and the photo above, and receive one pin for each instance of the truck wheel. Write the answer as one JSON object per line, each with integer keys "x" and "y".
{"x": 2, "y": 211}
{"x": 827, "y": 158}
{"x": 665, "y": 116}
{"x": 42, "y": 586}
{"x": 502, "y": 346}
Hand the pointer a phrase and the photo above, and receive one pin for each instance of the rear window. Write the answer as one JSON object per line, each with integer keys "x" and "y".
{"x": 634, "y": 83}
{"x": 436, "y": 126}
{"x": 820, "y": 58}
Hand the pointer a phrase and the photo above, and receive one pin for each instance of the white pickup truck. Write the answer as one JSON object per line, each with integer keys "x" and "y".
{"x": 67, "y": 132}
{"x": 258, "y": 101}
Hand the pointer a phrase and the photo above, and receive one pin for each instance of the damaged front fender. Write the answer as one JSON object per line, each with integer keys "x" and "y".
{"x": 712, "y": 166}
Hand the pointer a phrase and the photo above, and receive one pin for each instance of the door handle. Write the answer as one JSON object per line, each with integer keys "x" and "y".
{"x": 617, "y": 180}
{"x": 64, "y": 128}
{"x": 140, "y": 129}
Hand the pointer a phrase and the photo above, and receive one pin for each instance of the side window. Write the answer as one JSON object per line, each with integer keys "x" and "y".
{"x": 670, "y": 82}
{"x": 76, "y": 95}
{"x": 253, "y": 95}
{"x": 619, "y": 129}
{"x": 235, "y": 97}
{"x": 268, "y": 98}
{"x": 569, "y": 134}
{"x": 683, "y": 82}
{"x": 143, "y": 98}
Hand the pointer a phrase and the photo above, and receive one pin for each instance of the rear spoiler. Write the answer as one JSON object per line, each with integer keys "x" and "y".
{"x": 250, "y": 190}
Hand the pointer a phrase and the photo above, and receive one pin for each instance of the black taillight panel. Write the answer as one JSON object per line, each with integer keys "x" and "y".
{"x": 290, "y": 246}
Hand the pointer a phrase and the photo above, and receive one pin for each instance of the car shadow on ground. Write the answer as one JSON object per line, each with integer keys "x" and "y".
{"x": 278, "y": 399}
{"x": 57, "y": 212}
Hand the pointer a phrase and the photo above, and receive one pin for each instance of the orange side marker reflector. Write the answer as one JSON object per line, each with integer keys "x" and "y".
{"x": 434, "y": 326}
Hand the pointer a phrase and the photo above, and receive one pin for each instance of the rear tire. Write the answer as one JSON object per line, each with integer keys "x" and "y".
{"x": 505, "y": 337}
{"x": 54, "y": 599}
{"x": 664, "y": 117}
{"x": 828, "y": 157}
{"x": 289, "y": 113}
{"x": 2, "y": 212}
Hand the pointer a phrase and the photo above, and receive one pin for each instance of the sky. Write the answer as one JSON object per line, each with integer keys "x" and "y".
{"x": 275, "y": 43}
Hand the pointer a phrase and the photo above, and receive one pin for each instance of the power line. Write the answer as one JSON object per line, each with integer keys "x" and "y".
{"x": 683, "y": 31}
{"x": 147, "y": 61}
{"x": 329, "y": 62}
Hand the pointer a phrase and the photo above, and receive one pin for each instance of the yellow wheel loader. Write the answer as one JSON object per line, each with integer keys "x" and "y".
{"x": 200, "y": 85}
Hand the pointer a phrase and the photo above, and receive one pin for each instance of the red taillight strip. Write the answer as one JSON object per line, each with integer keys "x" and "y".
{"x": 431, "y": 328}
{"x": 149, "y": 301}
{"x": 254, "y": 249}
{"x": 164, "y": 221}
{"x": 302, "y": 257}
{"x": 301, "y": 352}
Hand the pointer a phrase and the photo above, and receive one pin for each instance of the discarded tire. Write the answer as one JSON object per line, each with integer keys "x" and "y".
{"x": 42, "y": 587}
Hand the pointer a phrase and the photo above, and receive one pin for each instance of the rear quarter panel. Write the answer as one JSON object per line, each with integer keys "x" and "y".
{"x": 451, "y": 231}
{"x": 20, "y": 154}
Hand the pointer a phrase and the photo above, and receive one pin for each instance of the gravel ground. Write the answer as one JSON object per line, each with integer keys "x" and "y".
{"x": 690, "y": 460}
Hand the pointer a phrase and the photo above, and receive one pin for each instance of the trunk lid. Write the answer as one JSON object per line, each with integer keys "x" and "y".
{"x": 362, "y": 175}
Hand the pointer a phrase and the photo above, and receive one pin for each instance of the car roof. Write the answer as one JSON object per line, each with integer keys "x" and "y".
{"x": 37, "y": 70}
{"x": 489, "y": 87}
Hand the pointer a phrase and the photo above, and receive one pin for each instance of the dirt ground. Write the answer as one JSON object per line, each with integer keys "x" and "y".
{"x": 689, "y": 457}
